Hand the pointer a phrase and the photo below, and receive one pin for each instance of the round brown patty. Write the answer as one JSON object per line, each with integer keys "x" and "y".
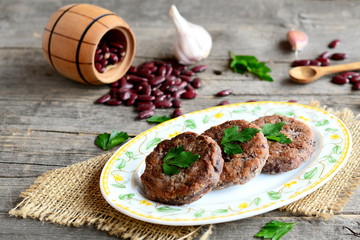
{"x": 190, "y": 183}
{"x": 242, "y": 167}
{"x": 288, "y": 156}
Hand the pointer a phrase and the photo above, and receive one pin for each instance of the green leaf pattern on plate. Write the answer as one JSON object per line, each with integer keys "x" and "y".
{"x": 190, "y": 124}
{"x": 118, "y": 185}
{"x": 153, "y": 143}
{"x": 311, "y": 173}
{"x": 121, "y": 164}
{"x": 322, "y": 123}
{"x": 126, "y": 196}
{"x": 199, "y": 213}
{"x": 219, "y": 211}
{"x": 167, "y": 209}
{"x": 274, "y": 195}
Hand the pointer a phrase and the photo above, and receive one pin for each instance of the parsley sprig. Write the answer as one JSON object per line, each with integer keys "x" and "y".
{"x": 107, "y": 141}
{"x": 233, "y": 135}
{"x": 272, "y": 132}
{"x": 243, "y": 63}
{"x": 157, "y": 119}
{"x": 178, "y": 157}
{"x": 275, "y": 230}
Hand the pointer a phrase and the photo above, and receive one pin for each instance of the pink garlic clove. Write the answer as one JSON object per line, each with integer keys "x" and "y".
{"x": 298, "y": 40}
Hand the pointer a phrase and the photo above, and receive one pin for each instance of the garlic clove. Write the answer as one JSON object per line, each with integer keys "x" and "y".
{"x": 297, "y": 39}
{"x": 193, "y": 42}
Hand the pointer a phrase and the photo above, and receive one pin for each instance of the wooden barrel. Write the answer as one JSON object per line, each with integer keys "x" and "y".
{"x": 71, "y": 36}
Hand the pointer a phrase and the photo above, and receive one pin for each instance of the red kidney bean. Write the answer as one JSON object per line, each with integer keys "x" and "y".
{"x": 251, "y": 101}
{"x": 132, "y": 69}
{"x": 103, "y": 98}
{"x": 315, "y": 63}
{"x": 185, "y": 78}
{"x": 158, "y": 92}
{"x": 114, "y": 50}
{"x": 159, "y": 98}
{"x": 143, "y": 106}
{"x": 338, "y": 56}
{"x": 298, "y": 63}
{"x": 224, "y": 102}
{"x": 350, "y": 74}
{"x": 99, "y": 68}
{"x": 156, "y": 80}
{"x": 167, "y": 84}
{"x": 176, "y": 72}
{"x": 334, "y": 43}
{"x": 146, "y": 114}
{"x": 113, "y": 58}
{"x": 354, "y": 79}
{"x": 171, "y": 77}
{"x": 176, "y": 113}
{"x": 182, "y": 85}
{"x": 131, "y": 100}
{"x": 187, "y": 73}
{"x": 116, "y": 44}
{"x": 356, "y": 85}
{"x": 190, "y": 94}
{"x": 292, "y": 101}
{"x": 114, "y": 92}
{"x": 177, "y": 81}
{"x": 224, "y": 93}
{"x": 169, "y": 70}
{"x": 163, "y": 103}
{"x": 152, "y": 68}
{"x": 98, "y": 51}
{"x": 136, "y": 79}
{"x": 199, "y": 68}
{"x": 143, "y": 72}
{"x": 146, "y": 88}
{"x": 161, "y": 71}
{"x": 98, "y": 57}
{"x": 115, "y": 84}
{"x": 178, "y": 93}
{"x": 325, "y": 54}
{"x": 146, "y": 98}
{"x": 113, "y": 102}
{"x": 124, "y": 95}
{"x": 323, "y": 61}
{"x": 172, "y": 89}
{"x": 338, "y": 79}
{"x": 196, "y": 83}
{"x": 189, "y": 88}
{"x": 177, "y": 103}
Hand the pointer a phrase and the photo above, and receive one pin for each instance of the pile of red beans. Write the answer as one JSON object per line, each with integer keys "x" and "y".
{"x": 154, "y": 84}
{"x": 324, "y": 60}
{"x": 107, "y": 54}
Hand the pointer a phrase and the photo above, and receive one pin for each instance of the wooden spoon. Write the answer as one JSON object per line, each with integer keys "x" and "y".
{"x": 307, "y": 74}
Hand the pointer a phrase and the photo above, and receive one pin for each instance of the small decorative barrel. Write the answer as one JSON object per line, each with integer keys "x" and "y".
{"x": 88, "y": 44}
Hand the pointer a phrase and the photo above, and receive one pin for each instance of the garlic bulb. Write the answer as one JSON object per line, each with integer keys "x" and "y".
{"x": 298, "y": 40}
{"x": 193, "y": 42}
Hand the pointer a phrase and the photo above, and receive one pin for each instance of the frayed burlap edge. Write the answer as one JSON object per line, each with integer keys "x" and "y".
{"x": 331, "y": 198}
{"x": 71, "y": 196}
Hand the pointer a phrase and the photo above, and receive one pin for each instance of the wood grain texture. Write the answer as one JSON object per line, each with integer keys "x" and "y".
{"x": 48, "y": 121}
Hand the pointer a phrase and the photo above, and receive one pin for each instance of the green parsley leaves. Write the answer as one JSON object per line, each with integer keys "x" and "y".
{"x": 178, "y": 157}
{"x": 233, "y": 135}
{"x": 272, "y": 132}
{"x": 242, "y": 64}
{"x": 274, "y": 230}
{"x": 157, "y": 119}
{"x": 107, "y": 141}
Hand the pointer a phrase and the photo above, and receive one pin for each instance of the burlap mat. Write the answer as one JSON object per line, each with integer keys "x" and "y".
{"x": 71, "y": 196}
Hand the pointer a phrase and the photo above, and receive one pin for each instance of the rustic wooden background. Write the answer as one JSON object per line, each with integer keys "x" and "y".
{"x": 47, "y": 121}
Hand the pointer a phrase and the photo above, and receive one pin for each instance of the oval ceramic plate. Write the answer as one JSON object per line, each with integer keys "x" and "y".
{"x": 121, "y": 186}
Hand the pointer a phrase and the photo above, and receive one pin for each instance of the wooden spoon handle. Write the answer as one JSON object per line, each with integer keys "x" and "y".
{"x": 340, "y": 68}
